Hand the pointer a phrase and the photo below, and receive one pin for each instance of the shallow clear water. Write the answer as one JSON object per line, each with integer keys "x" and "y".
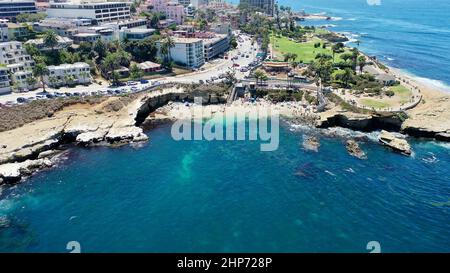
{"x": 199, "y": 196}
{"x": 413, "y": 35}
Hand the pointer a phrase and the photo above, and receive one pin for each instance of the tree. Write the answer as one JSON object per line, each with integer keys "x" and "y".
{"x": 39, "y": 71}
{"x": 336, "y": 48}
{"x": 361, "y": 63}
{"x": 50, "y": 39}
{"x": 100, "y": 48}
{"x": 135, "y": 72}
{"x": 52, "y": 81}
{"x": 233, "y": 42}
{"x": 321, "y": 68}
{"x": 260, "y": 76}
{"x": 115, "y": 78}
{"x": 109, "y": 64}
{"x": 30, "y": 17}
{"x": 31, "y": 81}
{"x": 166, "y": 45}
{"x": 346, "y": 76}
{"x": 230, "y": 78}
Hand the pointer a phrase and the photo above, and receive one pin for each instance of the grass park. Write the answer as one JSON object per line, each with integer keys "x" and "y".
{"x": 306, "y": 51}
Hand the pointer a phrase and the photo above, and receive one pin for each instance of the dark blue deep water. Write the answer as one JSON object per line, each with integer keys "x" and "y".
{"x": 413, "y": 35}
{"x": 200, "y": 196}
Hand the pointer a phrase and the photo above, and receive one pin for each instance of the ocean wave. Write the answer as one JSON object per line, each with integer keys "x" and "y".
{"x": 433, "y": 83}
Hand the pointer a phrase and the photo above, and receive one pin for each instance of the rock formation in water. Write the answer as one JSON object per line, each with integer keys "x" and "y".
{"x": 397, "y": 144}
{"x": 311, "y": 143}
{"x": 354, "y": 149}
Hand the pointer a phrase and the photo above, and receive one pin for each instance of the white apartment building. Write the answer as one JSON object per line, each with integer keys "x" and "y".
{"x": 215, "y": 46}
{"x": 67, "y": 74}
{"x": 3, "y": 30}
{"x": 188, "y": 52}
{"x": 4, "y": 81}
{"x": 101, "y": 12}
{"x": 18, "y": 63}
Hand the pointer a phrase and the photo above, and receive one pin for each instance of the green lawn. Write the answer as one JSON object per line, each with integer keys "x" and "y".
{"x": 375, "y": 104}
{"x": 401, "y": 91}
{"x": 321, "y": 31}
{"x": 306, "y": 52}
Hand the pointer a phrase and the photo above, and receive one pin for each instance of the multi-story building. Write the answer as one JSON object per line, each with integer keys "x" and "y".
{"x": 130, "y": 29}
{"x": 68, "y": 74}
{"x": 63, "y": 42}
{"x": 101, "y": 12}
{"x": 136, "y": 34}
{"x": 18, "y": 63}
{"x": 3, "y": 30}
{"x": 198, "y": 3}
{"x": 172, "y": 9}
{"x": 266, "y": 6}
{"x": 66, "y": 27}
{"x": 17, "y": 31}
{"x": 13, "y": 53}
{"x": 21, "y": 81}
{"x": 222, "y": 28}
{"x": 9, "y": 9}
{"x": 4, "y": 81}
{"x": 86, "y": 37}
{"x": 215, "y": 46}
{"x": 188, "y": 52}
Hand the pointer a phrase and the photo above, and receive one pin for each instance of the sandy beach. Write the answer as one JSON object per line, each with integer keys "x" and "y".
{"x": 240, "y": 107}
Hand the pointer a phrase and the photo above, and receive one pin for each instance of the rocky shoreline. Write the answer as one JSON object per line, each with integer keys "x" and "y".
{"x": 117, "y": 121}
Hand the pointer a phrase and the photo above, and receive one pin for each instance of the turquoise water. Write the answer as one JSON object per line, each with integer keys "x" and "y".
{"x": 199, "y": 196}
{"x": 413, "y": 35}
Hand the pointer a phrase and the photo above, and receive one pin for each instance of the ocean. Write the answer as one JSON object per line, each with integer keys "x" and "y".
{"x": 412, "y": 35}
{"x": 227, "y": 196}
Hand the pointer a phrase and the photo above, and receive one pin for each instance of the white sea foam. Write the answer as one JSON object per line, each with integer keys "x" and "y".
{"x": 432, "y": 83}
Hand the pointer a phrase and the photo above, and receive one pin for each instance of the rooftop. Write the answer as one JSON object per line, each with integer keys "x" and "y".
{"x": 69, "y": 66}
{"x": 148, "y": 65}
{"x": 185, "y": 40}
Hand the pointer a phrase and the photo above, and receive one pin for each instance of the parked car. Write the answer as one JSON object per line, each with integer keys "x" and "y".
{"x": 144, "y": 81}
{"x": 21, "y": 100}
{"x": 131, "y": 83}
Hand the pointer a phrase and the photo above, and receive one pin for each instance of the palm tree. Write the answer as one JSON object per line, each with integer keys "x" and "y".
{"x": 166, "y": 45}
{"x": 361, "y": 63}
{"x": 347, "y": 76}
{"x": 40, "y": 70}
{"x": 335, "y": 48}
{"x": 50, "y": 39}
{"x": 259, "y": 75}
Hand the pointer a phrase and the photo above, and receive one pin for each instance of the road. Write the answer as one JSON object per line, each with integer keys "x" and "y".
{"x": 212, "y": 69}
